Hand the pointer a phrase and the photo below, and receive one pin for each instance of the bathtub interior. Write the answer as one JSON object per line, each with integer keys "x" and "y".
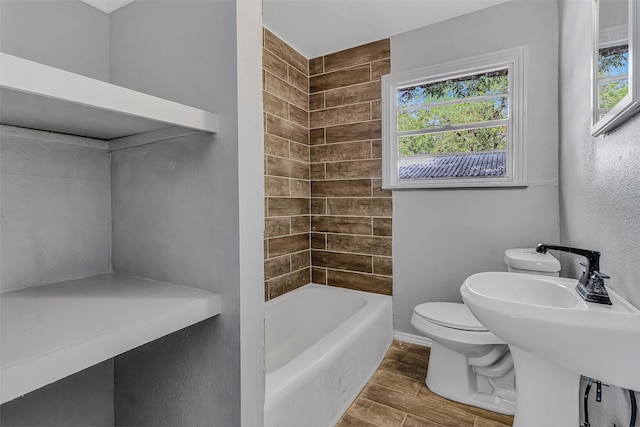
{"x": 297, "y": 320}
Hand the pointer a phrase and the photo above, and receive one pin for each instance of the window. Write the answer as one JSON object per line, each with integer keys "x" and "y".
{"x": 613, "y": 68}
{"x": 458, "y": 124}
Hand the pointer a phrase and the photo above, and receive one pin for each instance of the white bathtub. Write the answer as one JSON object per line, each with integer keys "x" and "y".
{"x": 322, "y": 346}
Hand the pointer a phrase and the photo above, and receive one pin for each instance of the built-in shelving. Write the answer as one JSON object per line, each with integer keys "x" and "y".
{"x": 49, "y": 332}
{"x": 37, "y": 96}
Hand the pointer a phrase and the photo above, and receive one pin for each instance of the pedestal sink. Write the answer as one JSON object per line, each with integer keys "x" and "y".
{"x": 554, "y": 337}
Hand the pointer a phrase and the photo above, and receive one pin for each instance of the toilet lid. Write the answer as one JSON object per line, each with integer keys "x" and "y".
{"x": 450, "y": 315}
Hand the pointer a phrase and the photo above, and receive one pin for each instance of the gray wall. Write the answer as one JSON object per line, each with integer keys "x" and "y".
{"x": 251, "y": 211}
{"x": 56, "y": 214}
{"x": 82, "y": 399}
{"x": 55, "y": 198}
{"x": 440, "y": 237}
{"x": 175, "y": 210}
{"x": 164, "y": 207}
{"x": 70, "y": 35}
{"x": 599, "y": 184}
{"x": 180, "y": 50}
{"x": 44, "y": 241}
{"x": 599, "y": 177}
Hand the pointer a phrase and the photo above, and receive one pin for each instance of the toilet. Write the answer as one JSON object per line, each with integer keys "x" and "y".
{"x": 467, "y": 363}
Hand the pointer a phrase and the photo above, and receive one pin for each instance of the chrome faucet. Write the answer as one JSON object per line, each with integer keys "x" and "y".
{"x": 591, "y": 284}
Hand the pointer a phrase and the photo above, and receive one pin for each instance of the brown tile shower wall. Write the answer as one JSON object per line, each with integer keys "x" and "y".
{"x": 326, "y": 218}
{"x": 350, "y": 214}
{"x": 287, "y": 187}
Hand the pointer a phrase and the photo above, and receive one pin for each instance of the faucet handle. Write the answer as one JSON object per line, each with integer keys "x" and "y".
{"x": 599, "y": 273}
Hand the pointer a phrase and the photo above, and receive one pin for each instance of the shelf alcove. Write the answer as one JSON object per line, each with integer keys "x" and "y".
{"x": 54, "y": 330}
{"x": 120, "y": 237}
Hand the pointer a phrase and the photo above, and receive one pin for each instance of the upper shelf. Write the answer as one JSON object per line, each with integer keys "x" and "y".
{"x": 38, "y": 96}
{"x": 52, "y": 331}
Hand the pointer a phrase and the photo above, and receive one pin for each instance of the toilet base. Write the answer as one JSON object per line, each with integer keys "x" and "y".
{"x": 450, "y": 376}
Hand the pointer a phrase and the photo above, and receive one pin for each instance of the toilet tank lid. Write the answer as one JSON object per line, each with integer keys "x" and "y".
{"x": 449, "y": 314}
{"x": 529, "y": 259}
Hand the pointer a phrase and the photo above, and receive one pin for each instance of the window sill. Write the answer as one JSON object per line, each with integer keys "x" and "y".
{"x": 422, "y": 185}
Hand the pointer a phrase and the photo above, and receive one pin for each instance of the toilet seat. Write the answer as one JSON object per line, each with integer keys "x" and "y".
{"x": 447, "y": 328}
{"x": 450, "y": 315}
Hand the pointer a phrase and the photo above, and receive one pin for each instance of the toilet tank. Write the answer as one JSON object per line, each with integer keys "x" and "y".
{"x": 529, "y": 261}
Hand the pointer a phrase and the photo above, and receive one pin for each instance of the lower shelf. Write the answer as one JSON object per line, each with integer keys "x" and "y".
{"x": 52, "y": 331}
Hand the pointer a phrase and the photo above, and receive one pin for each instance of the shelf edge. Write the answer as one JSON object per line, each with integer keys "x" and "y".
{"x": 31, "y": 374}
{"x": 31, "y": 77}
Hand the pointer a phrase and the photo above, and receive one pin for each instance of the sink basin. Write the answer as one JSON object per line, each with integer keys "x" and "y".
{"x": 527, "y": 289}
{"x": 555, "y": 336}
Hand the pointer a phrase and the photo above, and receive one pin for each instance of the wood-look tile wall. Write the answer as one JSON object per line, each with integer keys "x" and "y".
{"x": 350, "y": 214}
{"x": 287, "y": 185}
{"x": 326, "y": 218}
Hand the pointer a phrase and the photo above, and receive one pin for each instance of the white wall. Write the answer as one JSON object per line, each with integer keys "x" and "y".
{"x": 599, "y": 186}
{"x": 440, "y": 237}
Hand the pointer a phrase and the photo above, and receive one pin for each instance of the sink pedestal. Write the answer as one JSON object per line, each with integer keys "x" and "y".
{"x": 555, "y": 336}
{"x": 548, "y": 395}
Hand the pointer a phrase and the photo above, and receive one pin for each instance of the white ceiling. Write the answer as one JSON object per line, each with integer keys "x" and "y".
{"x": 318, "y": 27}
{"x": 107, "y": 6}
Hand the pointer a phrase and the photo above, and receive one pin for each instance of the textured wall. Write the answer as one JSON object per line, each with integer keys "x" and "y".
{"x": 286, "y": 157}
{"x": 351, "y": 215}
{"x": 599, "y": 186}
{"x": 82, "y": 399}
{"x": 443, "y": 236}
{"x": 600, "y": 177}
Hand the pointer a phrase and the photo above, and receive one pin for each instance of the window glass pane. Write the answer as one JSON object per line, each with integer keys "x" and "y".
{"x": 452, "y": 114}
{"x": 460, "y": 141}
{"x": 613, "y": 61}
{"x": 489, "y": 83}
{"x": 611, "y": 92}
{"x": 483, "y": 164}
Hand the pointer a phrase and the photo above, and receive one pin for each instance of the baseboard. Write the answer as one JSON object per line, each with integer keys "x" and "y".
{"x": 413, "y": 339}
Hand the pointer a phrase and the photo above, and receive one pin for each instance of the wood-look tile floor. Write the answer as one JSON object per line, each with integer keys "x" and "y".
{"x": 396, "y": 396}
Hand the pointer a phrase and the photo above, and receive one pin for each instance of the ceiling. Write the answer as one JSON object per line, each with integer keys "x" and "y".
{"x": 318, "y": 27}
{"x": 107, "y": 6}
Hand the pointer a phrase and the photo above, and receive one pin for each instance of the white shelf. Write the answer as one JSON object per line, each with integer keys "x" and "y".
{"x": 49, "y": 332}
{"x": 37, "y": 96}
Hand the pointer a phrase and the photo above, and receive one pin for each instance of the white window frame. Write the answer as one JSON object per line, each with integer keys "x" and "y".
{"x": 516, "y": 161}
